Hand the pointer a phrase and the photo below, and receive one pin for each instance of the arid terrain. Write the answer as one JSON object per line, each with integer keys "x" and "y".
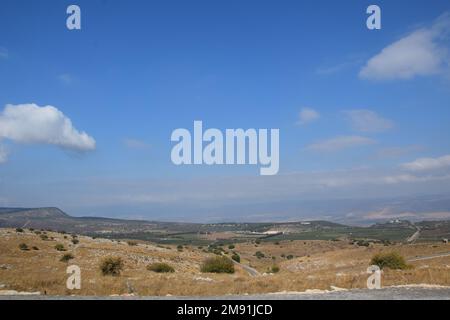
{"x": 266, "y": 266}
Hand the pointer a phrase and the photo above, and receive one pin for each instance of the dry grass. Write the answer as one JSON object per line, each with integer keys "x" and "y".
{"x": 316, "y": 265}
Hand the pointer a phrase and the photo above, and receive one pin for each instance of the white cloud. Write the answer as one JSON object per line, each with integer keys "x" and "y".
{"x": 307, "y": 115}
{"x": 3, "y": 154}
{"x": 341, "y": 142}
{"x": 135, "y": 144}
{"x": 3, "y": 53}
{"x": 29, "y": 123}
{"x": 395, "y": 152}
{"x": 421, "y": 53}
{"x": 426, "y": 164}
{"x": 368, "y": 121}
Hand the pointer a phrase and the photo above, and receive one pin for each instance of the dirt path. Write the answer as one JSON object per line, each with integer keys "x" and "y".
{"x": 251, "y": 271}
{"x": 434, "y": 256}
{"x": 415, "y": 236}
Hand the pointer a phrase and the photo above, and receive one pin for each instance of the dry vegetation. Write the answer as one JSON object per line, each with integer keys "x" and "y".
{"x": 302, "y": 265}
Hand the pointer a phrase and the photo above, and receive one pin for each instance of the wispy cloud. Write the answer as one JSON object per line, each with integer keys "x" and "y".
{"x": 31, "y": 124}
{"x": 66, "y": 78}
{"x": 427, "y": 164}
{"x": 3, "y": 153}
{"x": 135, "y": 144}
{"x": 395, "y": 152}
{"x": 340, "y": 143}
{"x": 307, "y": 115}
{"x": 4, "y": 53}
{"x": 368, "y": 121}
{"x": 421, "y": 53}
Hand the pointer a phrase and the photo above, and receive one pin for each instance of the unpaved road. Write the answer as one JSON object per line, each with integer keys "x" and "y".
{"x": 252, "y": 272}
{"x": 433, "y": 256}
{"x": 415, "y": 236}
{"x": 390, "y": 293}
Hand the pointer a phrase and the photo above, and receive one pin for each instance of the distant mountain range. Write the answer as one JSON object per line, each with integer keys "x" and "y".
{"x": 57, "y": 220}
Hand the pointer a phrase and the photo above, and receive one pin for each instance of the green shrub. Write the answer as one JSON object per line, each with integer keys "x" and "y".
{"x": 44, "y": 237}
{"x": 75, "y": 241}
{"x": 111, "y": 266}
{"x": 363, "y": 243}
{"x": 60, "y": 247}
{"x": 257, "y": 241}
{"x": 259, "y": 254}
{"x": 218, "y": 265}
{"x": 236, "y": 257}
{"x": 391, "y": 260}
{"x": 132, "y": 243}
{"x": 275, "y": 269}
{"x": 66, "y": 257}
{"x": 231, "y": 246}
{"x": 290, "y": 257}
{"x": 23, "y": 246}
{"x": 19, "y": 230}
{"x": 160, "y": 268}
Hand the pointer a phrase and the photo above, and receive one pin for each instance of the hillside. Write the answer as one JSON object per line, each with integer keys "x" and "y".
{"x": 31, "y": 262}
{"x": 201, "y": 234}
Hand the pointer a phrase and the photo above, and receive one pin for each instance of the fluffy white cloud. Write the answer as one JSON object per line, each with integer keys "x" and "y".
{"x": 29, "y": 123}
{"x": 421, "y": 53}
{"x": 307, "y": 115}
{"x": 341, "y": 142}
{"x": 426, "y": 164}
{"x": 368, "y": 121}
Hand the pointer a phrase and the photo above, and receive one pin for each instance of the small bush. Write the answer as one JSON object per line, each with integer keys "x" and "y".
{"x": 236, "y": 257}
{"x": 132, "y": 243}
{"x": 75, "y": 241}
{"x": 60, "y": 247}
{"x": 363, "y": 243}
{"x": 23, "y": 246}
{"x": 44, "y": 237}
{"x": 259, "y": 254}
{"x": 35, "y": 248}
{"x": 67, "y": 257}
{"x": 160, "y": 268}
{"x": 231, "y": 246}
{"x": 19, "y": 230}
{"x": 258, "y": 241}
{"x": 290, "y": 257}
{"x": 111, "y": 266}
{"x": 391, "y": 260}
{"x": 218, "y": 265}
{"x": 275, "y": 269}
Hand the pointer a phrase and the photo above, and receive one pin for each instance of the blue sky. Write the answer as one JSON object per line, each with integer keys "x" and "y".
{"x": 140, "y": 69}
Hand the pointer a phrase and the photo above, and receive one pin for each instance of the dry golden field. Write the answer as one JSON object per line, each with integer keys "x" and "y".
{"x": 303, "y": 265}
